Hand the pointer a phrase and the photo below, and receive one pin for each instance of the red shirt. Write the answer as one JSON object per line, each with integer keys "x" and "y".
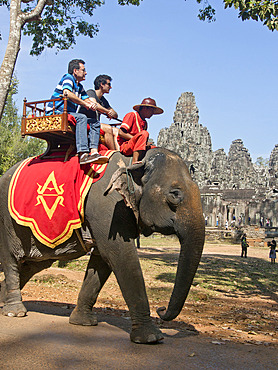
{"x": 132, "y": 124}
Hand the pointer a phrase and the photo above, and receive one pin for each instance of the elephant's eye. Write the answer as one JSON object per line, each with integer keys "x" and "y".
{"x": 175, "y": 197}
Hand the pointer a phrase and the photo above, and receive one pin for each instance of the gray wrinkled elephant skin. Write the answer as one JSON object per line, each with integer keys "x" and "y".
{"x": 157, "y": 195}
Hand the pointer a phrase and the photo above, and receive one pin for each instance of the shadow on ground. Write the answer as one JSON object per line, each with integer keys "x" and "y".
{"x": 231, "y": 275}
{"x": 114, "y": 317}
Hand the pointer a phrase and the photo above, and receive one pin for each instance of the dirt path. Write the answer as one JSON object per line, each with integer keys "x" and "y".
{"x": 222, "y": 331}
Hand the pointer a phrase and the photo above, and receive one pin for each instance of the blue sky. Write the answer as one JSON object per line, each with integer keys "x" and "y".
{"x": 161, "y": 49}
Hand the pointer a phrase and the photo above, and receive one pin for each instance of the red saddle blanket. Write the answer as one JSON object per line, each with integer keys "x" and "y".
{"x": 48, "y": 196}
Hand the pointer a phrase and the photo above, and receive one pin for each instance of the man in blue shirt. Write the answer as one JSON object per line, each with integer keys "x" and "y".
{"x": 86, "y": 145}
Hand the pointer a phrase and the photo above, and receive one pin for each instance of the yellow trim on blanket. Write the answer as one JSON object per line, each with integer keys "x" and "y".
{"x": 72, "y": 224}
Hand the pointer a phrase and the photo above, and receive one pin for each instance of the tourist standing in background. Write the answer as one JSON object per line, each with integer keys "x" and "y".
{"x": 244, "y": 246}
{"x": 272, "y": 252}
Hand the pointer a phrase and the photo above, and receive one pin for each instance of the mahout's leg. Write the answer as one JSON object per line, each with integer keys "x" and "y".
{"x": 96, "y": 275}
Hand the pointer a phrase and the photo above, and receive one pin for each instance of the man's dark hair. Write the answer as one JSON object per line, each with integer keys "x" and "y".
{"x": 101, "y": 79}
{"x": 74, "y": 64}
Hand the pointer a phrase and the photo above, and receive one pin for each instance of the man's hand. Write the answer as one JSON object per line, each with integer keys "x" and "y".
{"x": 111, "y": 113}
{"x": 93, "y": 105}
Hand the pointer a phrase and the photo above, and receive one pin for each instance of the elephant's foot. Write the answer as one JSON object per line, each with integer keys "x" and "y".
{"x": 14, "y": 310}
{"x": 147, "y": 333}
{"x": 86, "y": 318}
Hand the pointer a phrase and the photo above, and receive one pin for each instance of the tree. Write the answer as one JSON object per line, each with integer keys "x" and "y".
{"x": 57, "y": 23}
{"x": 265, "y": 11}
{"x": 262, "y": 162}
{"x": 13, "y": 147}
{"x": 51, "y": 23}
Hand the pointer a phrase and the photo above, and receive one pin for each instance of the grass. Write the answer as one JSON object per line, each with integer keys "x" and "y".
{"x": 235, "y": 276}
{"x": 217, "y": 275}
{"x": 228, "y": 292}
{"x": 76, "y": 265}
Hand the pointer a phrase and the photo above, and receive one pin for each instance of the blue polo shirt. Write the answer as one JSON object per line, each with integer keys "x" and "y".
{"x": 67, "y": 82}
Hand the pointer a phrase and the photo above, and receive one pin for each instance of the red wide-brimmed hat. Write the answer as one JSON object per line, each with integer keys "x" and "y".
{"x": 149, "y": 102}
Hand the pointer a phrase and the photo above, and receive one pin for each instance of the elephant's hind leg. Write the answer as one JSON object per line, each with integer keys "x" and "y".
{"x": 10, "y": 289}
{"x": 96, "y": 275}
{"x": 16, "y": 278}
{"x": 3, "y": 292}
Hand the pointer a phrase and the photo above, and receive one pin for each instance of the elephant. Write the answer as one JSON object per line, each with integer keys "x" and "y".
{"x": 156, "y": 195}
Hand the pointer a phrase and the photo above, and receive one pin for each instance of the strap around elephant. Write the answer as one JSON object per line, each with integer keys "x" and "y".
{"x": 130, "y": 179}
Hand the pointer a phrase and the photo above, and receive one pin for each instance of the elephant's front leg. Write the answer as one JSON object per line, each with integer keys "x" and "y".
{"x": 96, "y": 275}
{"x": 126, "y": 266}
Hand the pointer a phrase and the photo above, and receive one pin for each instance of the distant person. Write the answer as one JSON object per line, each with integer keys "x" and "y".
{"x": 244, "y": 246}
{"x": 70, "y": 85}
{"x": 138, "y": 242}
{"x": 272, "y": 252}
{"x": 133, "y": 135}
{"x": 102, "y": 84}
{"x": 267, "y": 223}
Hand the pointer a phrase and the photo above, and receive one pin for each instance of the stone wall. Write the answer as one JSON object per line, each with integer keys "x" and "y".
{"x": 232, "y": 187}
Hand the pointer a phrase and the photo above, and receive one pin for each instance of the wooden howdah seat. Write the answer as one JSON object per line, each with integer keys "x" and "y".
{"x": 56, "y": 129}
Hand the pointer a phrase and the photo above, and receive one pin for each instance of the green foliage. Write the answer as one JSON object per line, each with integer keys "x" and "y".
{"x": 207, "y": 13}
{"x": 77, "y": 265}
{"x": 13, "y": 148}
{"x": 127, "y": 2}
{"x": 60, "y": 22}
{"x": 265, "y": 11}
{"x": 262, "y": 162}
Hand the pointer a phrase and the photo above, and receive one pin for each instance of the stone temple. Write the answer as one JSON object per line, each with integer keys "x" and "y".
{"x": 233, "y": 188}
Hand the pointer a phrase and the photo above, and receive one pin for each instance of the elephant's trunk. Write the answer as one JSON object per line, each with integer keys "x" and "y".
{"x": 192, "y": 241}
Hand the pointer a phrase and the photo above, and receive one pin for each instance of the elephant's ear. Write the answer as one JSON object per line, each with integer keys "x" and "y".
{"x": 127, "y": 181}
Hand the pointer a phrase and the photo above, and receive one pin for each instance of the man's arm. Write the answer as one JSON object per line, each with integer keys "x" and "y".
{"x": 89, "y": 103}
{"x": 124, "y": 130}
{"x": 109, "y": 112}
{"x": 112, "y": 113}
{"x": 103, "y": 108}
{"x": 124, "y": 134}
